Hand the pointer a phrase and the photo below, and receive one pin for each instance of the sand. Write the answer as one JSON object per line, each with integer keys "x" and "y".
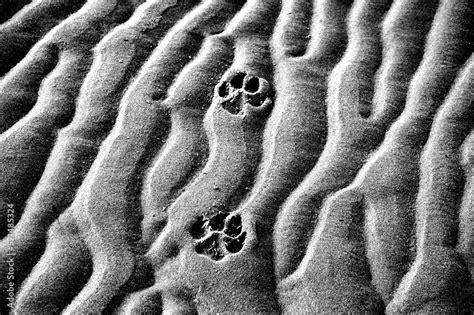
{"x": 218, "y": 156}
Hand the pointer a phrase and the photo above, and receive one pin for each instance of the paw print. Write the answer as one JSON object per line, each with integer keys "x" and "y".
{"x": 218, "y": 235}
{"x": 242, "y": 92}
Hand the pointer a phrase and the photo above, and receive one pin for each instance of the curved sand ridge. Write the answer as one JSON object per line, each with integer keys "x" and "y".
{"x": 237, "y": 156}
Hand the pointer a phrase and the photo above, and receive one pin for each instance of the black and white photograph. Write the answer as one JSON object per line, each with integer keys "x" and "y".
{"x": 236, "y": 157}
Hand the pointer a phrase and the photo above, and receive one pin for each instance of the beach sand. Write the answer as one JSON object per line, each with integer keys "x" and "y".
{"x": 222, "y": 156}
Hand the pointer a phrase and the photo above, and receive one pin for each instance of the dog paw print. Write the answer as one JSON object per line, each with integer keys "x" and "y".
{"x": 219, "y": 235}
{"x": 242, "y": 92}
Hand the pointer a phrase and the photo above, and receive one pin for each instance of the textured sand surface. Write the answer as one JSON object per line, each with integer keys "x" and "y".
{"x": 222, "y": 156}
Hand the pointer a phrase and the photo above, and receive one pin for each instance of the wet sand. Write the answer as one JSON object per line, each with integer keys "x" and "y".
{"x": 218, "y": 156}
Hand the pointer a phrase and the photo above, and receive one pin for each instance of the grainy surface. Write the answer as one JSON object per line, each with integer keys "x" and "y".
{"x": 260, "y": 156}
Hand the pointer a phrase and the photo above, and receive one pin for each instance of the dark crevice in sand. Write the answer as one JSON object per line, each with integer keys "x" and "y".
{"x": 390, "y": 177}
{"x": 8, "y": 8}
{"x": 53, "y": 110}
{"x": 185, "y": 152}
{"x": 367, "y": 140}
{"x": 187, "y": 93}
{"x": 293, "y": 30}
{"x": 299, "y": 117}
{"x": 348, "y": 148}
{"x": 334, "y": 275}
{"x": 140, "y": 279}
{"x": 404, "y": 32}
{"x": 55, "y": 105}
{"x": 350, "y": 138}
{"x": 120, "y": 161}
{"x": 68, "y": 256}
{"x": 77, "y": 145}
{"x": 465, "y": 244}
{"x": 231, "y": 156}
{"x": 438, "y": 203}
{"x": 19, "y": 89}
{"x": 362, "y": 60}
{"x": 156, "y": 215}
{"x": 169, "y": 191}
{"x": 25, "y": 28}
{"x": 145, "y": 177}
{"x": 73, "y": 38}
{"x": 160, "y": 132}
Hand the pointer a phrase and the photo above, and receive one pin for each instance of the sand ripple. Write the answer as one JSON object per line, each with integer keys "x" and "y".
{"x": 218, "y": 156}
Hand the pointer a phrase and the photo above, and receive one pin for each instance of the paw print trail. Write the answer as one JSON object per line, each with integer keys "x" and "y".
{"x": 185, "y": 150}
{"x": 439, "y": 279}
{"x": 106, "y": 202}
{"x": 358, "y": 115}
{"x": 234, "y": 126}
{"x": 179, "y": 157}
{"x": 115, "y": 58}
{"x": 235, "y": 140}
{"x": 25, "y": 146}
{"x": 222, "y": 156}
